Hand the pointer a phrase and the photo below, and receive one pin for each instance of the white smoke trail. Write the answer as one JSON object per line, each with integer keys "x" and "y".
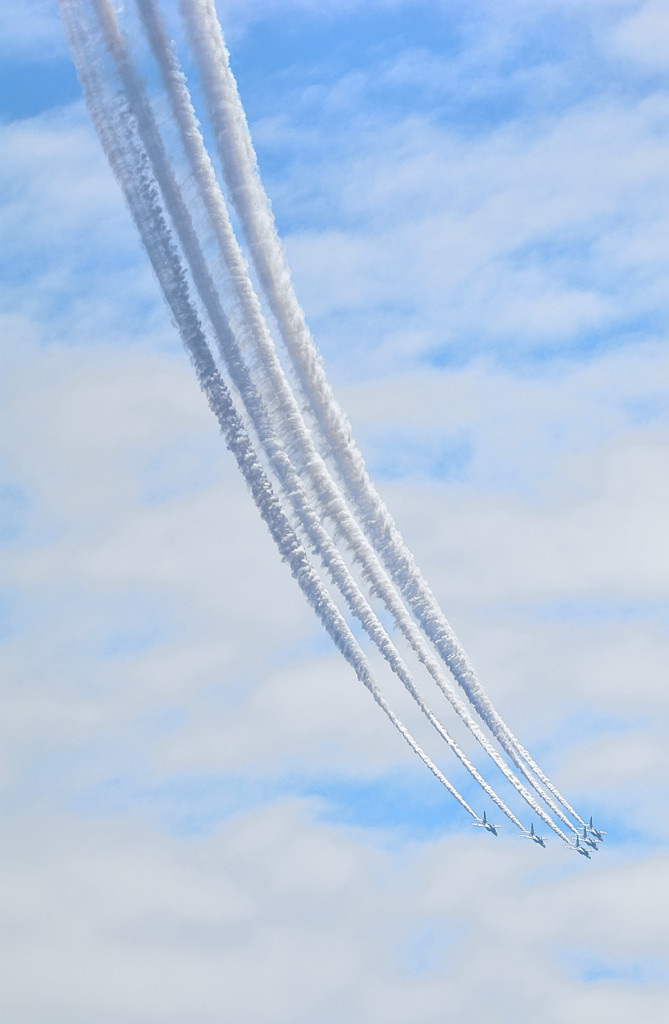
{"x": 250, "y": 201}
{"x": 130, "y": 163}
{"x": 253, "y": 321}
{"x": 294, "y": 429}
{"x": 175, "y": 205}
{"x": 291, "y": 483}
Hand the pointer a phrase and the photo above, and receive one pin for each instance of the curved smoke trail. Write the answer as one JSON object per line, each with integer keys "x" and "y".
{"x": 253, "y": 326}
{"x": 252, "y": 206}
{"x": 133, "y": 144}
{"x": 279, "y": 461}
{"x": 130, "y": 163}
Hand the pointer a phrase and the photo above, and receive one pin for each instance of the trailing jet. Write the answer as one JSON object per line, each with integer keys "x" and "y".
{"x": 585, "y": 838}
{"x": 595, "y": 831}
{"x": 533, "y": 836}
{"x": 484, "y": 823}
{"x": 579, "y": 849}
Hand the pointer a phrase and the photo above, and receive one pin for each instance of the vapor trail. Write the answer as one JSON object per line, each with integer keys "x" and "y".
{"x": 130, "y": 163}
{"x": 200, "y": 274}
{"x": 252, "y": 206}
{"x": 253, "y": 324}
{"x": 258, "y": 335}
{"x": 317, "y": 535}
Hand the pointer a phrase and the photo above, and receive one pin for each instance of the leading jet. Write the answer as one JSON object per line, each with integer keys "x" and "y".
{"x": 579, "y": 849}
{"x": 533, "y": 836}
{"x": 484, "y": 823}
{"x": 597, "y": 832}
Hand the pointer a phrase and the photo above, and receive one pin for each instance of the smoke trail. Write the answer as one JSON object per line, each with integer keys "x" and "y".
{"x": 252, "y": 206}
{"x": 130, "y": 164}
{"x": 252, "y": 323}
{"x": 182, "y": 216}
{"x": 316, "y": 533}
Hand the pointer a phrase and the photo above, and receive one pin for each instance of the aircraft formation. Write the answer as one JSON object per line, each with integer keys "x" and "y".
{"x": 589, "y": 837}
{"x": 256, "y": 362}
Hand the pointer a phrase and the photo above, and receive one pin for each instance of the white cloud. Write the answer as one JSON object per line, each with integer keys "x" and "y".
{"x": 275, "y": 918}
{"x": 155, "y": 642}
{"x": 640, "y": 37}
{"x": 516, "y": 240}
{"x": 35, "y": 33}
{"x": 238, "y": 17}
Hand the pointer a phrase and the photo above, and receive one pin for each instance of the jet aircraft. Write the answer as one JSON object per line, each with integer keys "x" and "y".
{"x": 580, "y": 849}
{"x": 585, "y": 838}
{"x": 484, "y": 823}
{"x": 533, "y": 836}
{"x": 596, "y": 831}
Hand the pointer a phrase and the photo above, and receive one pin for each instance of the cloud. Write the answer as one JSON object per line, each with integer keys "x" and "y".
{"x": 238, "y": 18}
{"x": 191, "y": 780}
{"x": 530, "y": 242}
{"x": 277, "y": 918}
{"x": 638, "y": 37}
{"x": 36, "y": 33}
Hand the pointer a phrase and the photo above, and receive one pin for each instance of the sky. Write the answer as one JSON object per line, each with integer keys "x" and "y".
{"x": 203, "y": 816}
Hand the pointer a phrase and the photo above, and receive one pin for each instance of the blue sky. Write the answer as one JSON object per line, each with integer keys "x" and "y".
{"x": 203, "y": 815}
